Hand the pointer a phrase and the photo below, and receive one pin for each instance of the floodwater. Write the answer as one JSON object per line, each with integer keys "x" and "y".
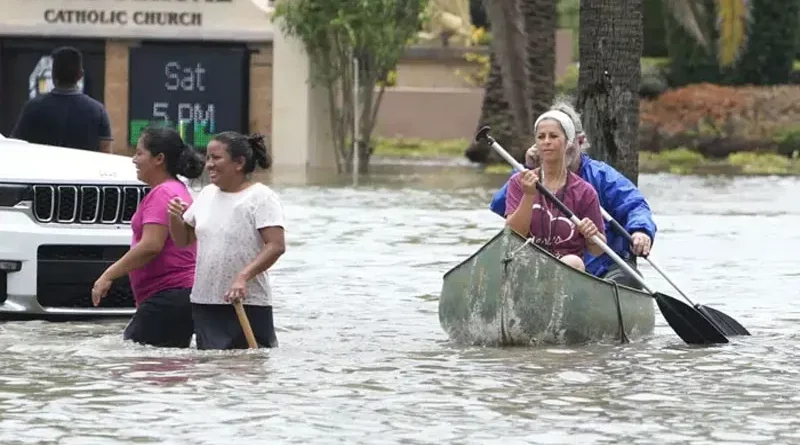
{"x": 362, "y": 358}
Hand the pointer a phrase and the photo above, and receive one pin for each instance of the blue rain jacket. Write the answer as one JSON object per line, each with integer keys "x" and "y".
{"x": 621, "y": 199}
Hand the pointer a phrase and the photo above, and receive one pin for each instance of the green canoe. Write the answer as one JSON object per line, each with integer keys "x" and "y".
{"x": 511, "y": 292}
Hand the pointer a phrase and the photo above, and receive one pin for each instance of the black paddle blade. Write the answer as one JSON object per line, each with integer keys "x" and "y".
{"x": 483, "y": 133}
{"x": 690, "y": 325}
{"x": 726, "y": 324}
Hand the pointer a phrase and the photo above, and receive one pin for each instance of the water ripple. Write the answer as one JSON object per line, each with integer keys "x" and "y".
{"x": 363, "y": 359}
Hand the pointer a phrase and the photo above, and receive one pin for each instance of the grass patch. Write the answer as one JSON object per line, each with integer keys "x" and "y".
{"x": 419, "y": 148}
{"x": 680, "y": 161}
{"x": 498, "y": 169}
{"x": 762, "y": 163}
{"x": 683, "y": 161}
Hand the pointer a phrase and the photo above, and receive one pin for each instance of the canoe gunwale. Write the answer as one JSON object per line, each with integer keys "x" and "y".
{"x": 483, "y": 247}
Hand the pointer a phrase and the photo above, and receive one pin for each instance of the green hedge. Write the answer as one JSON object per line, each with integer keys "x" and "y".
{"x": 690, "y": 62}
{"x": 655, "y": 33}
{"x": 772, "y": 43}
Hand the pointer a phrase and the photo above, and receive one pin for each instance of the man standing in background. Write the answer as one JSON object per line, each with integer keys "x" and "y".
{"x": 65, "y": 116}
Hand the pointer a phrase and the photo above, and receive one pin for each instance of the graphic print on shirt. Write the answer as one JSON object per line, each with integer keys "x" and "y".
{"x": 559, "y": 229}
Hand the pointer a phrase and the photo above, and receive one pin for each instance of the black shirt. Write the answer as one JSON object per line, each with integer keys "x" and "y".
{"x": 66, "y": 118}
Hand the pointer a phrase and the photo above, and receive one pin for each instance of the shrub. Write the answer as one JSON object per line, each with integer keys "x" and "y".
{"x": 771, "y": 43}
{"x": 480, "y": 36}
{"x": 794, "y": 76}
{"x": 718, "y": 120}
{"x": 679, "y": 161}
{"x": 689, "y": 108}
{"x": 683, "y": 156}
{"x": 788, "y": 139}
{"x": 480, "y": 74}
{"x": 567, "y": 84}
{"x": 652, "y": 85}
{"x": 655, "y": 63}
{"x": 768, "y": 163}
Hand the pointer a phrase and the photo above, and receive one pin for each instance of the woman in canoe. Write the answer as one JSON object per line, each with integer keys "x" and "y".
{"x": 161, "y": 273}
{"x": 531, "y": 214}
{"x": 238, "y": 225}
{"x": 618, "y": 195}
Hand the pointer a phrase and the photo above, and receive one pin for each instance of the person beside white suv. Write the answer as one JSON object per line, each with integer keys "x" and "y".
{"x": 65, "y": 217}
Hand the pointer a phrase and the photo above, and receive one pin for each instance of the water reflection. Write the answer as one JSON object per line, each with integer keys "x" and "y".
{"x": 363, "y": 359}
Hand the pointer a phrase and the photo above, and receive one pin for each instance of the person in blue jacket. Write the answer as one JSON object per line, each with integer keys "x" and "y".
{"x": 618, "y": 196}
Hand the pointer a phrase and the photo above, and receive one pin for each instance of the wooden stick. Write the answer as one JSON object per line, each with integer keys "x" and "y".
{"x": 248, "y": 330}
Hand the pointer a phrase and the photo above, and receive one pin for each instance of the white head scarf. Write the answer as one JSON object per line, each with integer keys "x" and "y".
{"x": 562, "y": 118}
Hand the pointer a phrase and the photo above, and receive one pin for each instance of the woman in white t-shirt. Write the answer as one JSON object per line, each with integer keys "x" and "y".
{"x": 238, "y": 225}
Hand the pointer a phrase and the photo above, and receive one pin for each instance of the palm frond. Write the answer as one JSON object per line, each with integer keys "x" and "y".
{"x": 690, "y": 14}
{"x": 732, "y": 20}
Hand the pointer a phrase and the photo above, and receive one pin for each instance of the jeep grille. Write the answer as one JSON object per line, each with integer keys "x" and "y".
{"x": 86, "y": 204}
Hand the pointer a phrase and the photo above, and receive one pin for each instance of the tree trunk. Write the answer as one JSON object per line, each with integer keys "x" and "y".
{"x": 611, "y": 43}
{"x": 364, "y": 155}
{"x": 541, "y": 22}
{"x": 496, "y": 113}
{"x": 509, "y": 45}
{"x": 537, "y": 59}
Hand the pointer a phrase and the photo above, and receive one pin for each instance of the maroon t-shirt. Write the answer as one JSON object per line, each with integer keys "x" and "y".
{"x": 550, "y": 228}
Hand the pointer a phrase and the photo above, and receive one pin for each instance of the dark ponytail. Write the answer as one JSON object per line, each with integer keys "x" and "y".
{"x": 179, "y": 158}
{"x": 252, "y": 149}
{"x": 259, "y": 147}
{"x": 191, "y": 163}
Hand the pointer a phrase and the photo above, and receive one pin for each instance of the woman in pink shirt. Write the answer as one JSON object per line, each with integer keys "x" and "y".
{"x": 532, "y": 215}
{"x": 161, "y": 273}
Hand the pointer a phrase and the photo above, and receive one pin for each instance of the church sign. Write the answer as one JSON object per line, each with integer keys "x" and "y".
{"x": 241, "y": 20}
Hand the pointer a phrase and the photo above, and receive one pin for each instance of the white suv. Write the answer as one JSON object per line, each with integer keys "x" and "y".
{"x": 64, "y": 217}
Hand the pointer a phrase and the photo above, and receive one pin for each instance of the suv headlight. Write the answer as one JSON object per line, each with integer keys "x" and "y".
{"x": 13, "y": 194}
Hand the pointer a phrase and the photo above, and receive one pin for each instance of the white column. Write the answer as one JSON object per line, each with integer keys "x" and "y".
{"x": 301, "y": 129}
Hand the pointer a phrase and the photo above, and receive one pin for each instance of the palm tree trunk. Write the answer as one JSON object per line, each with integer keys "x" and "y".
{"x": 537, "y": 59}
{"x": 541, "y": 22}
{"x": 611, "y": 42}
{"x": 496, "y": 113}
{"x": 509, "y": 45}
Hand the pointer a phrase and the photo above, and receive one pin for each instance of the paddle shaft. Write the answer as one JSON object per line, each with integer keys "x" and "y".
{"x": 245, "y": 322}
{"x": 624, "y": 233}
{"x": 595, "y": 239}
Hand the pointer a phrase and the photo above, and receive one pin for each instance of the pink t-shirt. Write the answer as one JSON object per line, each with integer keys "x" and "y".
{"x": 174, "y": 267}
{"x": 550, "y": 228}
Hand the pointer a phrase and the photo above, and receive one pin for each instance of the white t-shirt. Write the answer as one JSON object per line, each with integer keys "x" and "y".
{"x": 226, "y": 226}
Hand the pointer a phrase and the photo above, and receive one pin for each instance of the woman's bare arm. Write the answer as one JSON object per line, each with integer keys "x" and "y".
{"x": 182, "y": 234}
{"x": 274, "y": 247}
{"x": 520, "y": 219}
{"x": 153, "y": 238}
